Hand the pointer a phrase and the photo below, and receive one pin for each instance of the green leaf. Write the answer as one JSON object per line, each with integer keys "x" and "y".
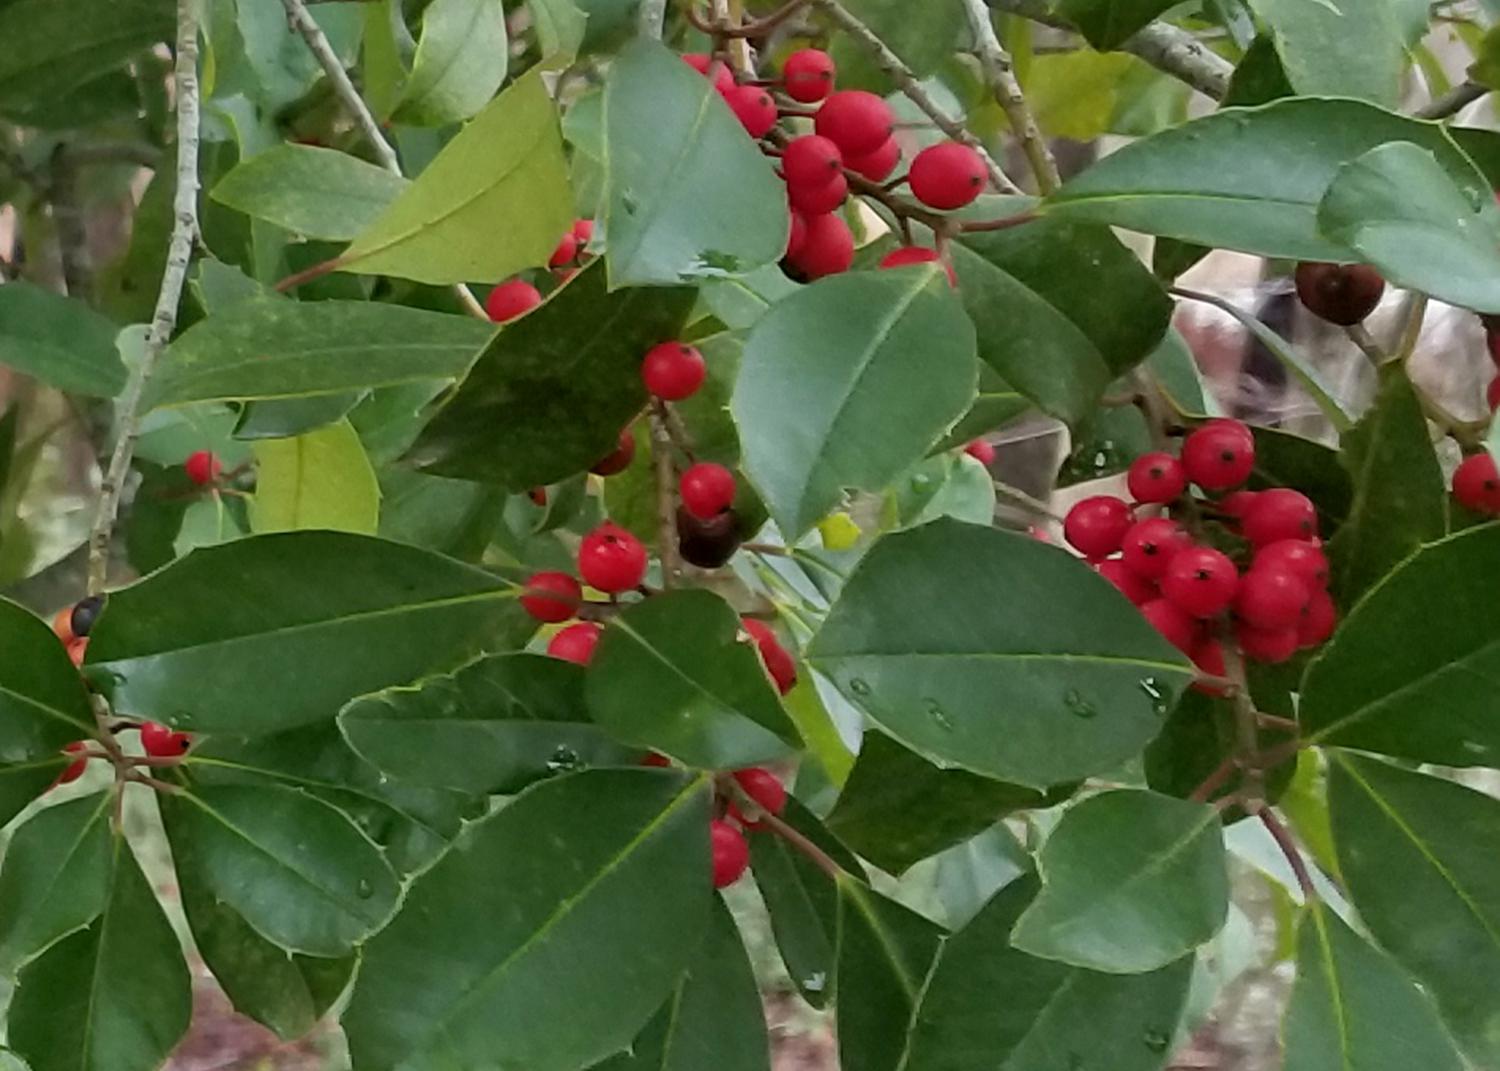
{"x": 1332, "y": 50}
{"x": 947, "y": 485}
{"x": 923, "y": 37}
{"x": 988, "y": 1005}
{"x": 549, "y": 394}
{"x": 311, "y": 191}
{"x": 113, "y": 997}
{"x": 507, "y": 164}
{"x": 676, "y": 674}
{"x": 495, "y": 726}
{"x": 51, "y": 46}
{"x": 1400, "y": 498}
{"x": 61, "y": 342}
{"x": 1131, "y": 881}
{"x": 591, "y": 893}
{"x": 55, "y": 877}
{"x": 897, "y": 808}
{"x": 1377, "y": 686}
{"x": 1352, "y": 1007}
{"x": 1107, "y": 24}
{"x": 285, "y": 418}
{"x": 560, "y": 27}
{"x": 1441, "y": 920}
{"x": 866, "y": 410}
{"x": 688, "y": 194}
{"x": 1400, "y": 210}
{"x": 1175, "y": 183}
{"x": 319, "y": 480}
{"x": 975, "y": 677}
{"x": 1061, "y": 310}
{"x": 288, "y": 349}
{"x": 461, "y": 61}
{"x": 276, "y": 631}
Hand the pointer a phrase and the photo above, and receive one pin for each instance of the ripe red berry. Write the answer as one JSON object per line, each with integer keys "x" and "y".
{"x": 856, "y": 121}
{"x": 509, "y": 300}
{"x": 1271, "y": 598}
{"x": 74, "y": 770}
{"x": 1200, "y": 581}
{"x": 1180, "y": 630}
{"x": 1319, "y": 619}
{"x": 981, "y": 451}
{"x": 551, "y": 597}
{"x": 583, "y": 232}
{"x": 656, "y": 759}
{"x": 1150, "y": 545}
{"x": 1342, "y": 294}
{"x": 796, "y": 234}
{"x": 731, "y": 855}
{"x": 611, "y": 560}
{"x": 811, "y": 160}
{"x": 1267, "y": 645}
{"x": 1303, "y": 558}
{"x": 828, "y": 248}
{"x": 777, "y": 659}
{"x": 1277, "y": 514}
{"x": 575, "y": 643}
{"x": 878, "y": 165}
{"x": 808, "y": 75}
{"x": 62, "y": 625}
{"x": 1476, "y": 484}
{"x": 673, "y": 371}
{"x": 946, "y": 176}
{"x": 202, "y": 467}
{"x": 707, "y": 490}
{"x": 619, "y": 459}
{"x": 820, "y": 199}
{"x": 754, "y": 108}
{"x": 1208, "y": 656}
{"x": 1235, "y": 503}
{"x": 1095, "y": 526}
{"x": 1137, "y": 589}
{"x": 1156, "y": 478}
{"x": 709, "y": 67}
{"x": 1218, "y": 456}
{"x": 161, "y": 742}
{"x": 916, "y": 254}
{"x": 762, "y": 786}
{"x": 566, "y": 250}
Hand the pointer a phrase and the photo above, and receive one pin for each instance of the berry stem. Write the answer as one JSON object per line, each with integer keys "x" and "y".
{"x": 728, "y": 786}
{"x": 1004, "y": 223}
{"x": 1271, "y": 721}
{"x": 1215, "y": 781}
{"x": 1000, "y": 72}
{"x": 1288, "y": 846}
{"x": 666, "y": 505}
{"x": 155, "y": 784}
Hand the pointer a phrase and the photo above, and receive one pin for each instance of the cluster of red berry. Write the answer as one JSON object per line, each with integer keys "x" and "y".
{"x": 516, "y": 297}
{"x": 730, "y": 850}
{"x": 1268, "y": 587}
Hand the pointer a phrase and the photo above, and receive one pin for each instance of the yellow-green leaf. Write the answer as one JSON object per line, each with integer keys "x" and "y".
{"x": 319, "y": 480}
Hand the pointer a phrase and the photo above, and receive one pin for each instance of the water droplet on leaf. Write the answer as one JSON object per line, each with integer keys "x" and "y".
{"x": 939, "y": 715}
{"x": 1157, "y": 1041}
{"x": 859, "y": 686}
{"x": 1077, "y": 705}
{"x": 364, "y": 890}
{"x": 1156, "y": 693}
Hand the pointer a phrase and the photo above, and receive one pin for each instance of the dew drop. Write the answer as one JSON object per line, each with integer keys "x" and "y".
{"x": 921, "y": 481}
{"x": 1156, "y": 693}
{"x": 939, "y": 715}
{"x": 859, "y": 686}
{"x": 1077, "y": 705}
{"x": 1157, "y": 1041}
{"x": 564, "y": 759}
{"x": 364, "y": 890}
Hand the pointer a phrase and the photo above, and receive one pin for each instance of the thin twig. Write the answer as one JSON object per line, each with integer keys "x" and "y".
{"x": 1215, "y": 781}
{"x": 1246, "y": 727}
{"x": 1454, "y": 101}
{"x": 1032, "y": 503}
{"x": 1001, "y": 73}
{"x": 666, "y": 490}
{"x": 1288, "y": 846}
{"x": 179, "y": 255}
{"x": 1273, "y": 721}
{"x": 1360, "y": 335}
{"x": 764, "y": 818}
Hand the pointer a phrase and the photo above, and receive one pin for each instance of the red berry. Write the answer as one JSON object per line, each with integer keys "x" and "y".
{"x": 566, "y": 250}
{"x": 1301, "y": 557}
{"x": 1156, "y": 478}
{"x": 77, "y": 648}
{"x": 62, "y": 625}
{"x": 1277, "y": 514}
{"x": 828, "y": 248}
{"x": 161, "y": 742}
{"x": 731, "y": 855}
{"x": 707, "y": 490}
{"x": 1476, "y": 484}
{"x": 1218, "y": 456}
{"x": 946, "y": 176}
{"x": 818, "y": 200}
{"x": 797, "y": 234}
{"x": 583, "y": 232}
{"x": 1137, "y": 589}
{"x": 1235, "y": 503}
{"x": 916, "y": 254}
{"x": 202, "y": 467}
{"x": 619, "y": 459}
{"x": 656, "y": 759}
{"x": 754, "y": 108}
{"x": 777, "y": 659}
{"x": 1208, "y": 656}
{"x": 811, "y": 160}
{"x": 1271, "y": 598}
{"x": 762, "y": 786}
{"x": 1267, "y": 645}
{"x": 74, "y": 770}
{"x": 551, "y": 597}
{"x": 1095, "y": 526}
{"x": 709, "y": 67}
{"x": 1180, "y": 630}
{"x": 981, "y": 451}
{"x": 510, "y": 300}
{"x": 1319, "y": 619}
{"x": 1342, "y": 294}
{"x": 673, "y": 371}
{"x": 1200, "y": 581}
{"x": 808, "y": 75}
{"x": 575, "y": 643}
{"x": 1150, "y": 545}
{"x": 538, "y": 496}
{"x": 856, "y": 121}
{"x": 611, "y": 560}
{"x": 878, "y": 165}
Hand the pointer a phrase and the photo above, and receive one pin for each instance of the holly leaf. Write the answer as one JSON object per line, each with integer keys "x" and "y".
{"x": 461, "y": 61}
{"x": 60, "y": 341}
{"x": 55, "y": 877}
{"x": 322, "y": 479}
{"x": 53, "y": 46}
{"x": 311, "y": 191}
{"x": 1333, "y": 51}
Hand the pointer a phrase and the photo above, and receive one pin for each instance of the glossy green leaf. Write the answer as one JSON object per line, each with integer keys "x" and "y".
{"x": 677, "y": 674}
{"x": 54, "y": 878}
{"x": 560, "y": 27}
{"x": 287, "y": 349}
{"x": 336, "y": 615}
{"x": 311, "y": 191}
{"x": 1199, "y": 733}
{"x": 1131, "y": 881}
{"x": 319, "y": 480}
{"x": 453, "y": 517}
{"x": 51, "y": 46}
{"x": 597, "y": 894}
{"x": 989, "y": 1005}
{"x": 549, "y": 394}
{"x": 61, "y": 342}
{"x": 977, "y": 678}
{"x": 864, "y": 410}
{"x": 1352, "y": 1007}
{"x": 285, "y": 418}
{"x": 113, "y": 997}
{"x": 688, "y": 194}
{"x": 1441, "y": 920}
{"x": 1107, "y": 24}
{"x": 506, "y": 165}
{"x": 946, "y": 485}
{"x": 1287, "y": 152}
{"x": 1375, "y": 689}
{"x": 494, "y": 726}
{"x": 1401, "y": 211}
{"x": 461, "y": 61}
{"x": 923, "y": 37}
{"x": 1348, "y": 50}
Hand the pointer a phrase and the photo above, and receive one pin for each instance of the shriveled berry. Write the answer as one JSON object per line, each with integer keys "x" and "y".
{"x": 62, "y": 625}
{"x": 1137, "y": 589}
{"x": 1279, "y": 513}
{"x": 1267, "y": 645}
{"x": 1217, "y": 457}
{"x": 1200, "y": 581}
{"x": 828, "y": 248}
{"x": 566, "y": 250}
{"x": 1271, "y": 597}
{"x": 673, "y": 371}
{"x": 619, "y": 459}
{"x": 878, "y": 165}
{"x": 947, "y": 176}
{"x": 511, "y": 300}
{"x": 762, "y": 786}
{"x": 1095, "y": 526}
{"x": 777, "y": 659}
{"x": 710, "y": 543}
{"x": 731, "y": 855}
{"x": 811, "y": 160}
{"x": 1476, "y": 484}
{"x": 83, "y": 615}
{"x": 611, "y": 560}
{"x": 808, "y": 75}
{"x": 162, "y": 742}
{"x": 981, "y": 451}
{"x": 1180, "y": 629}
{"x": 1150, "y": 545}
{"x": 1342, "y": 294}
{"x": 818, "y": 200}
{"x": 202, "y": 467}
{"x": 707, "y": 490}
{"x": 1305, "y": 559}
{"x": 551, "y": 597}
{"x": 754, "y": 108}
{"x": 1156, "y": 478}
{"x": 856, "y": 121}
{"x": 575, "y": 643}
{"x": 916, "y": 254}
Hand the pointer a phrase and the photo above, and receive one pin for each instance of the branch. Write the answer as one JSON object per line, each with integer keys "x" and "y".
{"x": 179, "y": 255}
{"x": 666, "y": 487}
{"x": 1000, "y": 72}
{"x": 1454, "y": 101}
{"x": 798, "y": 840}
{"x": 1288, "y": 846}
